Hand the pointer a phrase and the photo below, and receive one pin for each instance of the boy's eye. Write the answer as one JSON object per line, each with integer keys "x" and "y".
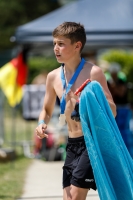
{"x": 60, "y": 44}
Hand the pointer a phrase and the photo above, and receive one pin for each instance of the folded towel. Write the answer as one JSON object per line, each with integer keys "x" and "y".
{"x": 111, "y": 162}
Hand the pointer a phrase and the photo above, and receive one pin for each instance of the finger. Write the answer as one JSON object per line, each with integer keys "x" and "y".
{"x": 71, "y": 94}
{"x": 38, "y": 134}
{"x": 78, "y": 95}
{"x": 41, "y": 135}
{"x": 46, "y": 135}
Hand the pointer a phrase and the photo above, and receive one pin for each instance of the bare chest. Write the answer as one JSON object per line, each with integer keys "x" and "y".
{"x": 84, "y": 74}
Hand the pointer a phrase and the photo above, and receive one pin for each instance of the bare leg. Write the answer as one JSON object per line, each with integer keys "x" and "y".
{"x": 74, "y": 193}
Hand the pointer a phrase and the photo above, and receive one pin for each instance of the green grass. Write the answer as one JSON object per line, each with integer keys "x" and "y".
{"x": 12, "y": 177}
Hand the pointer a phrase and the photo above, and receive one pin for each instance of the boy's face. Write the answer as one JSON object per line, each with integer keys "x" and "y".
{"x": 63, "y": 48}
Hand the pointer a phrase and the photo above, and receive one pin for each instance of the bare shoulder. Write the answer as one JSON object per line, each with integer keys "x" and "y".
{"x": 54, "y": 73}
{"x": 53, "y": 82}
{"x": 96, "y": 73}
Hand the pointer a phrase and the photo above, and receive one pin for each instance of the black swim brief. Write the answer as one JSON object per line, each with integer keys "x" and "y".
{"x": 77, "y": 169}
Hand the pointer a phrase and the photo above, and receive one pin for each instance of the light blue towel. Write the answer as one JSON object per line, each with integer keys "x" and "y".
{"x": 111, "y": 162}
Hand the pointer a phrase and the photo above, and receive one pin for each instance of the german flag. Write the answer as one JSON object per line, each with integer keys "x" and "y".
{"x": 13, "y": 76}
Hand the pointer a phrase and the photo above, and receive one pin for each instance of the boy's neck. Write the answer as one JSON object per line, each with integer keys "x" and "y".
{"x": 71, "y": 67}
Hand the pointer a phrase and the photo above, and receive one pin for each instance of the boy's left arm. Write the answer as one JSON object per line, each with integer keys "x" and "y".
{"x": 98, "y": 75}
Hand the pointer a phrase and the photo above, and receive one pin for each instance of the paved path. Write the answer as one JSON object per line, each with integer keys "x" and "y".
{"x": 44, "y": 181}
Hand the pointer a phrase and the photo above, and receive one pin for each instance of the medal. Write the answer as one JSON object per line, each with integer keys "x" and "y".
{"x": 62, "y": 120}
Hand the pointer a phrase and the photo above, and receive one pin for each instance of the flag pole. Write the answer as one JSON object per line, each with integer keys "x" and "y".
{"x": 2, "y": 138}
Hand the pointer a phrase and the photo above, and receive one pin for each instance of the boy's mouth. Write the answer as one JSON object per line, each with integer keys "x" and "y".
{"x": 58, "y": 55}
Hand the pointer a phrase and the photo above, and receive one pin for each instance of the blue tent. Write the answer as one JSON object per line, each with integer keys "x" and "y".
{"x": 107, "y": 23}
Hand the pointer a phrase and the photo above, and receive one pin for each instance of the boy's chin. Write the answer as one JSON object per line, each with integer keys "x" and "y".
{"x": 59, "y": 61}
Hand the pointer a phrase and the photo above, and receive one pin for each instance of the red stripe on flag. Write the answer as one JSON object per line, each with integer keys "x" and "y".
{"x": 22, "y": 69}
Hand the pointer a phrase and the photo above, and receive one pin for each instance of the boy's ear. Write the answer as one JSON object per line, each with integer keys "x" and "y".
{"x": 78, "y": 45}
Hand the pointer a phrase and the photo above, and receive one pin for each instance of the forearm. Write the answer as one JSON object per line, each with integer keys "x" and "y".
{"x": 44, "y": 116}
{"x": 47, "y": 109}
{"x": 113, "y": 107}
{"x": 42, "y": 124}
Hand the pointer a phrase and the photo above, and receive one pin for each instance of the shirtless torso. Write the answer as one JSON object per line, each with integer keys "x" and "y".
{"x": 89, "y": 71}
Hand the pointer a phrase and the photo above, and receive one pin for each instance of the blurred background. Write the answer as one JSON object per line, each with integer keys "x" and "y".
{"x": 26, "y": 56}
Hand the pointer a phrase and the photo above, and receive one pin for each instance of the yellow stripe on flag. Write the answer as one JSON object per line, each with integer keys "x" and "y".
{"x": 13, "y": 92}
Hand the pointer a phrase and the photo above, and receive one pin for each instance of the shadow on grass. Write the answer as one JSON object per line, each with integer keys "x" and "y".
{"x": 5, "y": 197}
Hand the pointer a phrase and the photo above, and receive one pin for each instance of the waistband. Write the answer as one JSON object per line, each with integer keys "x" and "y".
{"x": 75, "y": 140}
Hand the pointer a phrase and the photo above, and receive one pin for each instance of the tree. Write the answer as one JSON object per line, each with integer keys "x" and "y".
{"x": 125, "y": 59}
{"x": 14, "y": 13}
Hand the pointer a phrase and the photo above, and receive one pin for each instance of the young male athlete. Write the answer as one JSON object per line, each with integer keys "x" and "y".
{"x": 69, "y": 39}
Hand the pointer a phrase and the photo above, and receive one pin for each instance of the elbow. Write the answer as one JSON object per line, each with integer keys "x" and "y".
{"x": 113, "y": 108}
{"x": 114, "y": 111}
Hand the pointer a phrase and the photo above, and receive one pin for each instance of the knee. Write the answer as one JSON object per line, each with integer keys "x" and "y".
{"x": 71, "y": 196}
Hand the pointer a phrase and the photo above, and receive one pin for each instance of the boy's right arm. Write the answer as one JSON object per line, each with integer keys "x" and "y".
{"x": 48, "y": 106}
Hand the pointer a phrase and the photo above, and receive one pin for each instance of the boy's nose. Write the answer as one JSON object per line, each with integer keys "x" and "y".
{"x": 56, "y": 48}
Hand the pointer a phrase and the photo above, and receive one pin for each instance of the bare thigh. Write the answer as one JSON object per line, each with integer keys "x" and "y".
{"x": 74, "y": 193}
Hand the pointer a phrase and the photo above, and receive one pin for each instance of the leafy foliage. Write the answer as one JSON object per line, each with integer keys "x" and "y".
{"x": 14, "y": 13}
{"x": 39, "y": 65}
{"x": 124, "y": 58}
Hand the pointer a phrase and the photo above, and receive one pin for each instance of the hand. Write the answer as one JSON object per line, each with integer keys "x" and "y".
{"x": 70, "y": 103}
{"x": 40, "y": 131}
{"x": 75, "y": 114}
